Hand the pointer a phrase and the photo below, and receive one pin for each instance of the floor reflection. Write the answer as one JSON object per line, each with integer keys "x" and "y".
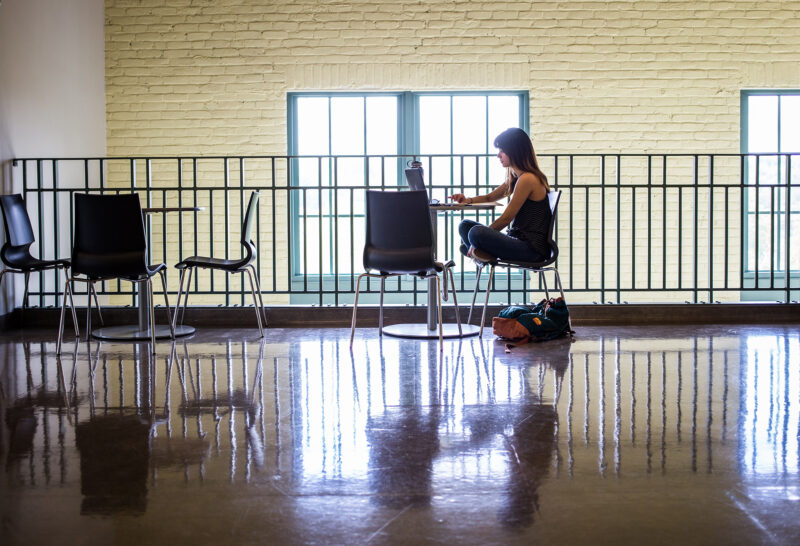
{"x": 473, "y": 436}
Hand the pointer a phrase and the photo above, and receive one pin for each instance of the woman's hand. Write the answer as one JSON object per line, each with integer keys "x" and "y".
{"x": 460, "y": 198}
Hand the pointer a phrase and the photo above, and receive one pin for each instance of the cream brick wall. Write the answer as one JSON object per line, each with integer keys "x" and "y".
{"x": 211, "y": 76}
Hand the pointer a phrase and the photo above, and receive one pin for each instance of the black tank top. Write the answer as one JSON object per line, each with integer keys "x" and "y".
{"x": 532, "y": 223}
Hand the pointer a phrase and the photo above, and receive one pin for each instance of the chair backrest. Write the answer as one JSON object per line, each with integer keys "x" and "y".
{"x": 553, "y": 197}
{"x": 399, "y": 236}
{"x": 247, "y": 228}
{"x": 19, "y": 232}
{"x": 109, "y": 236}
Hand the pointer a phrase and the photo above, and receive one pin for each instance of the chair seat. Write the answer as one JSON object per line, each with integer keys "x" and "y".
{"x": 151, "y": 270}
{"x": 407, "y": 261}
{"x": 29, "y": 263}
{"x": 213, "y": 263}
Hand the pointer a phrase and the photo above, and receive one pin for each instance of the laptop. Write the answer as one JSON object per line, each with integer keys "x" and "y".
{"x": 417, "y": 183}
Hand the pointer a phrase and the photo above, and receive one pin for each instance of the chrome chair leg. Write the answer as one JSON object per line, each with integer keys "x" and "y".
{"x": 255, "y": 300}
{"x": 558, "y": 283}
{"x": 61, "y": 316}
{"x": 90, "y": 285}
{"x": 178, "y": 303}
{"x": 72, "y": 306}
{"x": 486, "y": 301}
{"x": 475, "y": 293}
{"x": 260, "y": 297}
{"x": 455, "y": 300}
{"x": 355, "y": 308}
{"x": 543, "y": 278}
{"x": 25, "y": 294}
{"x": 97, "y": 305}
{"x": 439, "y": 310}
{"x": 152, "y": 316}
{"x": 380, "y": 312}
{"x": 189, "y": 272}
{"x": 163, "y": 275}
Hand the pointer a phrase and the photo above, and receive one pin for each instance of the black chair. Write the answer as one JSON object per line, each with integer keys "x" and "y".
{"x": 243, "y": 265}
{"x": 16, "y": 252}
{"x": 399, "y": 241}
{"x": 534, "y": 267}
{"x": 110, "y": 243}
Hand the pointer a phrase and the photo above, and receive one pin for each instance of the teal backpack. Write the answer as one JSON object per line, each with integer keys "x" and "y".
{"x": 519, "y": 324}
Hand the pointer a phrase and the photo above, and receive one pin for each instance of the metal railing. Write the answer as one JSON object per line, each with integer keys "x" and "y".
{"x": 631, "y": 227}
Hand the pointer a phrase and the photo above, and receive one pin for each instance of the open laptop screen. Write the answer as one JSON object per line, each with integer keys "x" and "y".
{"x": 414, "y": 179}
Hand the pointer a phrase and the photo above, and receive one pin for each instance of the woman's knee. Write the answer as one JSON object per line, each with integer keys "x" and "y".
{"x": 477, "y": 236}
{"x": 464, "y": 228}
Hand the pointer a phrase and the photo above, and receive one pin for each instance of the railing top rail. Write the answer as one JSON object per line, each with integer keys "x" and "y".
{"x": 400, "y": 156}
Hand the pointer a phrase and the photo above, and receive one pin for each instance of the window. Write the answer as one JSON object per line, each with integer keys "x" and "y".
{"x": 342, "y": 143}
{"x": 771, "y": 132}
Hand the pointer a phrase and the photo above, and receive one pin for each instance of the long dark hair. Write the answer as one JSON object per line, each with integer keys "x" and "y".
{"x": 517, "y": 145}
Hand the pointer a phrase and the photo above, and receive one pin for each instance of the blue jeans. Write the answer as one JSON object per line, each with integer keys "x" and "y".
{"x": 496, "y": 243}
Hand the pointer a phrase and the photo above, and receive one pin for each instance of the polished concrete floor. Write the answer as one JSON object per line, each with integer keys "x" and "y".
{"x": 635, "y": 435}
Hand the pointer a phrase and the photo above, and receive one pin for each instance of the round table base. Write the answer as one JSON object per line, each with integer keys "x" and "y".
{"x": 132, "y": 333}
{"x": 420, "y": 331}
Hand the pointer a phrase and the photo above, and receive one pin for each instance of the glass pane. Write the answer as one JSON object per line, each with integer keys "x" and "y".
{"x": 762, "y": 123}
{"x": 503, "y": 113}
{"x": 790, "y": 123}
{"x": 312, "y": 126}
{"x": 347, "y": 126}
{"x": 382, "y": 125}
{"x": 434, "y": 125}
{"x": 469, "y": 124}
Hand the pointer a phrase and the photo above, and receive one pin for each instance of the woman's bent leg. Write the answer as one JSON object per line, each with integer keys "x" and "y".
{"x": 463, "y": 230}
{"x": 501, "y": 245}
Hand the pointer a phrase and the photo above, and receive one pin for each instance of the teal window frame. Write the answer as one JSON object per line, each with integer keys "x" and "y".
{"x": 751, "y": 276}
{"x": 408, "y": 139}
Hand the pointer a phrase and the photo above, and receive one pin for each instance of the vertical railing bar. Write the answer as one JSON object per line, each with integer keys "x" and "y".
{"x": 726, "y": 242}
{"x": 680, "y": 235}
{"x": 352, "y": 240}
{"x": 746, "y": 220}
{"x": 289, "y": 223}
{"x": 55, "y": 233}
{"x": 772, "y": 193}
{"x": 649, "y": 221}
{"x": 788, "y": 231}
{"x": 195, "y": 243}
{"x": 696, "y": 230}
{"x": 305, "y": 232}
{"x": 602, "y": 228}
{"x": 618, "y": 166}
{"x": 758, "y": 221}
{"x": 331, "y": 175}
{"x": 571, "y": 216}
{"x": 274, "y": 216}
{"x": 226, "y": 204}
{"x": 241, "y": 223}
{"x": 664, "y": 222}
{"x": 711, "y": 228}
{"x": 586, "y": 238}
{"x": 633, "y": 237}
{"x": 39, "y": 225}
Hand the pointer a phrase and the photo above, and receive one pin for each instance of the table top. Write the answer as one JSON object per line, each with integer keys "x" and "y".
{"x": 465, "y": 206}
{"x": 151, "y": 210}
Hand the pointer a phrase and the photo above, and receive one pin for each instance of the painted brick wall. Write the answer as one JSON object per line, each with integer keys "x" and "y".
{"x": 205, "y": 77}
{"x": 210, "y": 76}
